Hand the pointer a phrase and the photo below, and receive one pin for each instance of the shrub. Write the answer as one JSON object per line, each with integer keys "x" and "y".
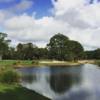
{"x": 14, "y": 63}
{"x": 35, "y": 62}
{"x": 17, "y": 62}
{"x": 10, "y": 77}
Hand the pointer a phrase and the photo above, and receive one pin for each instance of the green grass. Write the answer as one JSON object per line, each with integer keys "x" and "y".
{"x": 11, "y": 62}
{"x": 8, "y": 64}
{"x": 16, "y": 92}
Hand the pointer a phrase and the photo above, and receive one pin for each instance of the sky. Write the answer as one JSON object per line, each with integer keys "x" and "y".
{"x": 37, "y": 21}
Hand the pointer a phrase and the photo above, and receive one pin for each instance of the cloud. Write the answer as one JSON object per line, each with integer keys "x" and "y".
{"x": 27, "y": 28}
{"x": 2, "y": 16}
{"x": 83, "y": 18}
{"x": 17, "y": 7}
{"x": 23, "y": 5}
{"x": 1, "y": 1}
{"x": 76, "y": 19}
{"x": 61, "y": 6}
{"x": 73, "y": 18}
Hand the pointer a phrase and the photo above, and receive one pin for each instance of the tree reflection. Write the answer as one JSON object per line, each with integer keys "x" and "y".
{"x": 63, "y": 81}
{"x": 60, "y": 82}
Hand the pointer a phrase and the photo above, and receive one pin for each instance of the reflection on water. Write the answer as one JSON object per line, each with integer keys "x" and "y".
{"x": 64, "y": 80}
{"x": 64, "y": 83}
{"x": 60, "y": 82}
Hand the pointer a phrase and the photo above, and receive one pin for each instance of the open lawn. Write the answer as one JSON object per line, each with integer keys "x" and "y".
{"x": 16, "y": 92}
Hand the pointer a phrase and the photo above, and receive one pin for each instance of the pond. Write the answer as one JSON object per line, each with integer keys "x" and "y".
{"x": 63, "y": 83}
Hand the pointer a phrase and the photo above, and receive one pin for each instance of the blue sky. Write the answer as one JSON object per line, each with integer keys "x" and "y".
{"x": 37, "y": 20}
{"x": 41, "y": 7}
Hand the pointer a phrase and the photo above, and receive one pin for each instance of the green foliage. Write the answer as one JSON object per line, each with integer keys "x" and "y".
{"x": 61, "y": 48}
{"x": 3, "y": 44}
{"x": 35, "y": 62}
{"x": 75, "y": 50}
{"x": 89, "y": 54}
{"x": 97, "y": 54}
{"x": 42, "y": 53}
{"x": 57, "y": 47}
{"x": 94, "y": 54}
{"x": 9, "y": 77}
{"x": 26, "y": 51}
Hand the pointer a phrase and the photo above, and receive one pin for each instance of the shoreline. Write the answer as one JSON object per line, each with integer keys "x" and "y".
{"x": 48, "y": 63}
{"x": 7, "y": 64}
{"x": 56, "y": 63}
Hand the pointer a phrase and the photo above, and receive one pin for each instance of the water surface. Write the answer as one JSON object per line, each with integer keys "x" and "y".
{"x": 64, "y": 83}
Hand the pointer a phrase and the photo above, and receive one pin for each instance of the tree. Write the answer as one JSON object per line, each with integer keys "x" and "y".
{"x": 61, "y": 48}
{"x": 42, "y": 53}
{"x": 57, "y": 47}
{"x": 76, "y": 50}
{"x": 93, "y": 54}
{"x": 19, "y": 51}
{"x": 97, "y": 53}
{"x": 10, "y": 54}
{"x": 89, "y": 54}
{"x": 26, "y": 51}
{"x": 29, "y": 51}
{"x": 3, "y": 44}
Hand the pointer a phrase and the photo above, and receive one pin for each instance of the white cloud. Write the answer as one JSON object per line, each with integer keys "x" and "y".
{"x": 18, "y": 7}
{"x": 6, "y": 0}
{"x": 83, "y": 18}
{"x": 91, "y": 14}
{"x": 27, "y": 28}
{"x": 2, "y": 16}
{"x": 23, "y": 5}
{"x": 61, "y": 6}
{"x": 19, "y": 22}
{"x": 75, "y": 18}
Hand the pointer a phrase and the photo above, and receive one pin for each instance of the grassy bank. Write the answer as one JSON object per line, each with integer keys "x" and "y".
{"x": 16, "y": 92}
{"x": 12, "y": 63}
{"x": 9, "y": 88}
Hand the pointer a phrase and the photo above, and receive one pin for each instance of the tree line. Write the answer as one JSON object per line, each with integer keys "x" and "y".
{"x": 60, "y": 47}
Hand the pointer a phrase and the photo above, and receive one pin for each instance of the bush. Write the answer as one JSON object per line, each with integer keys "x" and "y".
{"x": 35, "y": 62}
{"x": 17, "y": 62}
{"x": 10, "y": 77}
